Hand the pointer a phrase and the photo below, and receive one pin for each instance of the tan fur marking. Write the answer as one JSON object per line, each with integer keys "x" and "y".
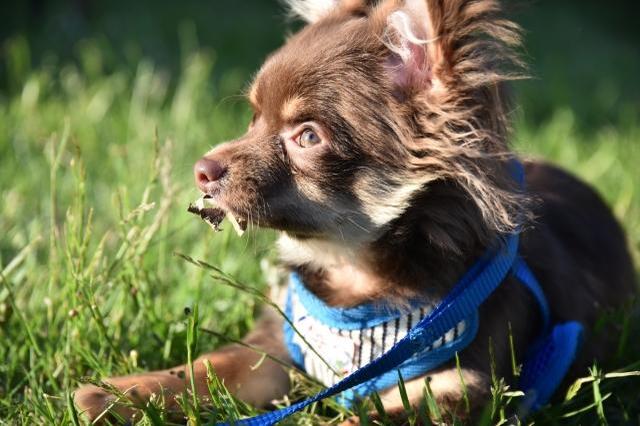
{"x": 290, "y": 108}
{"x": 319, "y": 254}
{"x": 382, "y": 204}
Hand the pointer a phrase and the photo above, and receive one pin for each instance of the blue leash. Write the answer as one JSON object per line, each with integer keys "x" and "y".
{"x": 545, "y": 365}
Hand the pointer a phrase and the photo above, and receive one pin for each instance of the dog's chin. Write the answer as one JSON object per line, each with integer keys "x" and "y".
{"x": 303, "y": 231}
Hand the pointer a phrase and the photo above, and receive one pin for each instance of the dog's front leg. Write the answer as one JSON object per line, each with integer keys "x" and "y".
{"x": 243, "y": 370}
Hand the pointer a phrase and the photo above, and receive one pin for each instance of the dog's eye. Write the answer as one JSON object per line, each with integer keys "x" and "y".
{"x": 308, "y": 138}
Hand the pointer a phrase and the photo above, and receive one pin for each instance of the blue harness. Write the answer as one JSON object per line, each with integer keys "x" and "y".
{"x": 545, "y": 365}
{"x": 344, "y": 340}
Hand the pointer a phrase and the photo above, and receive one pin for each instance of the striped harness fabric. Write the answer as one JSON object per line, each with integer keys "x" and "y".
{"x": 339, "y": 341}
{"x": 347, "y": 350}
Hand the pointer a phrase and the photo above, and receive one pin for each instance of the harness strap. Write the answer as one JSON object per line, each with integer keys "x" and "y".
{"x": 548, "y": 360}
{"x": 547, "y": 364}
{"x": 522, "y": 272}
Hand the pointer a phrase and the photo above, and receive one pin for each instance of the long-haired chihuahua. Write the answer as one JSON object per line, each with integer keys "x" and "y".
{"x": 379, "y": 149}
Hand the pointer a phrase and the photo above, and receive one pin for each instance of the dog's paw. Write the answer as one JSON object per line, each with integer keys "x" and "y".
{"x": 127, "y": 394}
{"x": 95, "y": 403}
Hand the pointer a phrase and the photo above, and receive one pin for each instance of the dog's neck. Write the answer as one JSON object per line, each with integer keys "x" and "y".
{"x": 422, "y": 254}
{"x": 338, "y": 273}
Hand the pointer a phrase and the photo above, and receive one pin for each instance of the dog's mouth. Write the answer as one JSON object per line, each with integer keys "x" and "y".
{"x": 209, "y": 211}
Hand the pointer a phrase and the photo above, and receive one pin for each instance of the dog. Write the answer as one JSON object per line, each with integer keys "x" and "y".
{"x": 379, "y": 148}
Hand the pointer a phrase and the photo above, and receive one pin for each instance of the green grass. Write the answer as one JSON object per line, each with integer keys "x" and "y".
{"x": 95, "y": 175}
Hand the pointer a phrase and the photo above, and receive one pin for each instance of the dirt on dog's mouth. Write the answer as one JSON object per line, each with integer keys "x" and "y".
{"x": 211, "y": 213}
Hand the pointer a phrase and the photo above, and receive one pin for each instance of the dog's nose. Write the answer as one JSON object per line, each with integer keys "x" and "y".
{"x": 207, "y": 172}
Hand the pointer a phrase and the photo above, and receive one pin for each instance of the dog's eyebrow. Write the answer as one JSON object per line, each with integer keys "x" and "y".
{"x": 290, "y": 110}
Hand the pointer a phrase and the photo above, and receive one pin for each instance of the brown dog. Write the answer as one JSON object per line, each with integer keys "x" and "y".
{"x": 379, "y": 149}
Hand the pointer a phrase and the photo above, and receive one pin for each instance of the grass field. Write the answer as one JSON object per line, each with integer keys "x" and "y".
{"x": 100, "y": 124}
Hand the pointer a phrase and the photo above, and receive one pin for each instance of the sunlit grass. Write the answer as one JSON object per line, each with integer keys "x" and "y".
{"x": 95, "y": 177}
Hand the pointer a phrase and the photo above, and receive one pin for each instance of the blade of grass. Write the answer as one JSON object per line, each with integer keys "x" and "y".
{"x": 377, "y": 403}
{"x": 431, "y": 403}
{"x": 71, "y": 409}
{"x": 192, "y": 341}
{"x": 463, "y": 385}
{"x": 406, "y": 404}
{"x": 597, "y": 396}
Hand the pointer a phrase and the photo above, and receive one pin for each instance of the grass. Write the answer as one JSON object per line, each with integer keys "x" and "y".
{"x": 95, "y": 176}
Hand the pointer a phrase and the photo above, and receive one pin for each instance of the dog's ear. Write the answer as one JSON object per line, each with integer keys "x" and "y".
{"x": 415, "y": 54}
{"x": 435, "y": 44}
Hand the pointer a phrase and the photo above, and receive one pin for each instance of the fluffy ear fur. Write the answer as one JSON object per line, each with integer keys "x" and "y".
{"x": 434, "y": 40}
{"x": 410, "y": 37}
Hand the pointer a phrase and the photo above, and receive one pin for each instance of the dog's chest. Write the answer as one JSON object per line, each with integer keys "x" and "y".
{"x": 331, "y": 343}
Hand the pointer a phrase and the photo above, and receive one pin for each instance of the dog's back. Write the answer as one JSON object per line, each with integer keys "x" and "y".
{"x": 579, "y": 253}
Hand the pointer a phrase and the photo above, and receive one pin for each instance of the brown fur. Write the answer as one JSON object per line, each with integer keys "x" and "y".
{"x": 407, "y": 187}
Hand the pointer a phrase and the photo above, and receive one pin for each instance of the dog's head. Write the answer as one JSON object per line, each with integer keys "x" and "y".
{"x": 366, "y": 109}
